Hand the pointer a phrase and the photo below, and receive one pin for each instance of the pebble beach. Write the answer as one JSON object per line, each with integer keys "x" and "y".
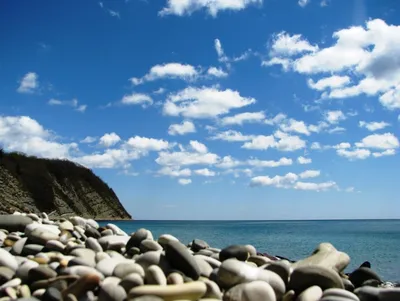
{"x": 76, "y": 259}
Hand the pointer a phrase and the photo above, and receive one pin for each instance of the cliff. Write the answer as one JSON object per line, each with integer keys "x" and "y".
{"x": 59, "y": 187}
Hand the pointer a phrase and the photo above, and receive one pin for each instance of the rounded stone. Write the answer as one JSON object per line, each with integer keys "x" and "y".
{"x": 6, "y": 274}
{"x": 165, "y": 238}
{"x": 23, "y": 269}
{"x": 256, "y": 290}
{"x": 113, "y": 240}
{"x": 52, "y": 294}
{"x": 282, "y": 268}
{"x": 78, "y": 221}
{"x": 41, "y": 273}
{"x": 13, "y": 223}
{"x": 305, "y": 276}
{"x": 251, "y": 249}
{"x": 235, "y": 251}
{"x": 367, "y": 293}
{"x": 214, "y": 263}
{"x": 147, "y": 298}
{"x": 107, "y": 266}
{"x": 204, "y": 266}
{"x": 55, "y": 245}
{"x": 205, "y": 252}
{"x": 125, "y": 268}
{"x": 81, "y": 261}
{"x": 8, "y": 260}
{"x": 116, "y": 230}
{"x": 149, "y": 245}
{"x": 31, "y": 249}
{"x": 82, "y": 270}
{"x": 313, "y": 293}
{"x": 137, "y": 237}
{"x": 92, "y": 232}
{"x": 100, "y": 256}
{"x": 335, "y": 292}
{"x": 82, "y": 285}
{"x": 42, "y": 235}
{"x": 180, "y": 258}
{"x": 213, "y": 290}
{"x": 66, "y": 225}
{"x": 153, "y": 257}
{"x": 259, "y": 260}
{"x": 360, "y": 275}
{"x": 175, "y": 278}
{"x": 107, "y": 232}
{"x": 93, "y": 244}
{"x": 198, "y": 244}
{"x": 154, "y": 275}
{"x": 348, "y": 285}
{"x": 186, "y": 291}
{"x": 130, "y": 281}
{"x": 111, "y": 292}
{"x": 19, "y": 246}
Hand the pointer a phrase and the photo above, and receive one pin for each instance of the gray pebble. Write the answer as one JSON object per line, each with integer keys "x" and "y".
{"x": 154, "y": 275}
{"x": 204, "y": 266}
{"x": 19, "y": 246}
{"x": 335, "y": 292}
{"x": 256, "y": 290}
{"x": 126, "y": 268}
{"x": 313, "y": 293}
{"x": 8, "y": 260}
{"x": 130, "y": 281}
{"x": 111, "y": 292}
{"x": 92, "y": 243}
{"x": 149, "y": 245}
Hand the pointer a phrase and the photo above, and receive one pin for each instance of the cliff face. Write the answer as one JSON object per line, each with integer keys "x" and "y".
{"x": 59, "y": 187}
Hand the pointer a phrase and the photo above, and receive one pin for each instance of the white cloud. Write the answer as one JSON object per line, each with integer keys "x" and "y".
{"x": 293, "y": 125}
{"x": 334, "y": 117}
{"x": 336, "y": 129}
{"x": 315, "y": 145}
{"x": 111, "y": 158}
{"x": 159, "y": 91}
{"x": 72, "y": 103}
{"x": 174, "y": 171}
{"x": 303, "y": 3}
{"x": 147, "y": 144}
{"x": 241, "y": 118}
{"x": 303, "y": 160}
{"x": 184, "y": 158}
{"x": 388, "y": 152}
{"x": 184, "y": 181}
{"x": 228, "y": 162}
{"x": 276, "y": 120}
{"x": 205, "y": 172}
{"x": 29, "y": 83}
{"x": 373, "y": 126}
{"x": 187, "y": 7}
{"x": 315, "y": 186}
{"x": 279, "y": 140}
{"x": 284, "y": 44}
{"x": 183, "y": 128}
{"x": 331, "y": 82}
{"x": 198, "y": 147}
{"x": 110, "y": 139}
{"x": 342, "y": 145}
{"x": 88, "y": 139}
{"x": 379, "y": 141}
{"x": 270, "y": 163}
{"x": 204, "y": 102}
{"x": 391, "y": 99}
{"x": 169, "y": 70}
{"x": 231, "y": 136}
{"x": 217, "y": 72}
{"x": 309, "y": 174}
{"x": 284, "y": 62}
{"x": 285, "y": 181}
{"x": 357, "y": 154}
{"x": 137, "y": 99}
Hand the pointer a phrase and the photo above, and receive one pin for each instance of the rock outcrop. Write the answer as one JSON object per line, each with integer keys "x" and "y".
{"x": 58, "y": 187}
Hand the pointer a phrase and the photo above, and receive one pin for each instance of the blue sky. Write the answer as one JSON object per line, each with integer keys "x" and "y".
{"x": 244, "y": 109}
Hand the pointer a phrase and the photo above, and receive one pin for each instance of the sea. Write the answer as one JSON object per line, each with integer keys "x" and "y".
{"x": 376, "y": 241}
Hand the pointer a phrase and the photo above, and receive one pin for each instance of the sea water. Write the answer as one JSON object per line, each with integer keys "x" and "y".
{"x": 377, "y": 241}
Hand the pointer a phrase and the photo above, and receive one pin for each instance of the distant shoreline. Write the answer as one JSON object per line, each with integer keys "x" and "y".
{"x": 253, "y": 220}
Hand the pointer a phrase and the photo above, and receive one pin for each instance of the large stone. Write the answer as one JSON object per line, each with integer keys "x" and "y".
{"x": 306, "y": 276}
{"x": 153, "y": 257}
{"x": 281, "y": 267}
{"x": 367, "y": 293}
{"x": 13, "y": 223}
{"x": 86, "y": 254}
{"x": 41, "y": 273}
{"x": 92, "y": 232}
{"x": 154, "y": 275}
{"x": 213, "y": 290}
{"x": 137, "y": 237}
{"x": 259, "y": 260}
{"x": 6, "y": 274}
{"x": 204, "y": 266}
{"x": 31, "y": 249}
{"x": 66, "y": 225}
{"x": 341, "y": 293}
{"x": 116, "y": 230}
{"x": 106, "y": 241}
{"x": 360, "y": 275}
{"x": 313, "y": 293}
{"x": 256, "y": 290}
{"x": 52, "y": 294}
{"x": 233, "y": 272}
{"x": 175, "y": 278}
{"x": 180, "y": 258}
{"x": 93, "y": 244}
{"x": 111, "y": 292}
{"x": 8, "y": 260}
{"x": 130, "y": 281}
{"x": 18, "y": 246}
{"x": 107, "y": 266}
{"x": 235, "y": 251}
{"x": 165, "y": 238}
{"x": 327, "y": 256}
{"x": 23, "y": 269}
{"x": 187, "y": 291}
{"x": 149, "y": 245}
{"x": 125, "y": 268}
{"x": 42, "y": 236}
{"x": 55, "y": 245}
{"x": 198, "y": 244}
{"x": 214, "y": 263}
{"x": 389, "y": 294}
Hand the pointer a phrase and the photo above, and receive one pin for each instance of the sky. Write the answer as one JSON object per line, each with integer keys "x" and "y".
{"x": 238, "y": 110}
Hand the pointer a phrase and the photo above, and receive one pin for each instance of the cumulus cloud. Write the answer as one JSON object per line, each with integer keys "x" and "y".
{"x": 184, "y": 181}
{"x": 147, "y": 144}
{"x": 213, "y": 7}
{"x": 88, "y": 139}
{"x": 303, "y": 3}
{"x": 379, "y": 141}
{"x": 205, "y": 172}
{"x": 204, "y": 102}
{"x": 334, "y": 81}
{"x": 388, "y": 152}
{"x": 169, "y": 70}
{"x": 373, "y": 126}
{"x": 217, "y": 72}
{"x": 231, "y": 136}
{"x": 356, "y": 154}
{"x": 228, "y": 162}
{"x": 296, "y": 126}
{"x": 110, "y": 139}
{"x": 280, "y": 140}
{"x": 183, "y": 128}
{"x": 174, "y": 171}
{"x": 198, "y": 147}
{"x": 185, "y": 158}
{"x": 270, "y": 163}
{"x": 284, "y": 44}
{"x": 29, "y": 83}
{"x": 303, "y": 160}
{"x": 334, "y": 117}
{"x": 137, "y": 99}
{"x": 72, "y": 103}
{"x": 315, "y": 186}
{"x": 309, "y": 174}
{"x": 240, "y": 119}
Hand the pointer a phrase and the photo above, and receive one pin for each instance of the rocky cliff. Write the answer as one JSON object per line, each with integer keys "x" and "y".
{"x": 57, "y": 187}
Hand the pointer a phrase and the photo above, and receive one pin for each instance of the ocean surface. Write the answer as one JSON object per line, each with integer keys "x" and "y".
{"x": 377, "y": 241}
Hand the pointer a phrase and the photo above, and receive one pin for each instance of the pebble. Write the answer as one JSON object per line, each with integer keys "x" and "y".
{"x": 187, "y": 291}
{"x": 213, "y": 290}
{"x": 137, "y": 237}
{"x": 116, "y": 230}
{"x": 92, "y": 232}
{"x": 360, "y": 275}
{"x": 154, "y": 275}
{"x": 41, "y": 273}
{"x": 55, "y": 245}
{"x": 390, "y": 294}
{"x": 111, "y": 292}
{"x": 14, "y": 222}
{"x": 198, "y": 244}
{"x": 31, "y": 249}
{"x": 149, "y": 245}
{"x": 214, "y": 263}
{"x": 313, "y": 293}
{"x": 82, "y": 270}
{"x": 165, "y": 238}
{"x": 8, "y": 260}
{"x": 235, "y": 251}
{"x": 6, "y": 274}
{"x": 93, "y": 244}
{"x": 341, "y": 293}
{"x": 131, "y": 280}
{"x": 125, "y": 268}
{"x": 19, "y": 246}
{"x": 11, "y": 283}
{"x": 259, "y": 260}
{"x": 204, "y": 266}
{"x": 23, "y": 269}
{"x": 282, "y": 268}
{"x": 107, "y": 266}
{"x": 52, "y": 294}
{"x": 180, "y": 258}
{"x": 147, "y": 298}
{"x": 66, "y": 225}
{"x": 82, "y": 285}
{"x": 153, "y": 257}
{"x": 305, "y": 276}
{"x": 256, "y": 290}
{"x": 175, "y": 278}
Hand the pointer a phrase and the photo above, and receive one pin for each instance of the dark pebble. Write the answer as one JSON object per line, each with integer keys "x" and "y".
{"x": 41, "y": 273}
{"x": 359, "y": 276}
{"x": 371, "y": 282}
{"x": 6, "y": 274}
{"x": 52, "y": 294}
{"x": 198, "y": 244}
{"x": 367, "y": 293}
{"x": 365, "y": 264}
{"x": 136, "y": 238}
{"x": 92, "y": 232}
{"x": 280, "y": 268}
{"x": 180, "y": 258}
{"x": 31, "y": 249}
{"x": 14, "y": 223}
{"x": 235, "y": 251}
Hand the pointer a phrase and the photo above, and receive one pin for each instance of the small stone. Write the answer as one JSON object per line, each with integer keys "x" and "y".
{"x": 165, "y": 238}
{"x": 130, "y": 281}
{"x": 214, "y": 263}
{"x": 107, "y": 266}
{"x": 8, "y": 260}
{"x": 282, "y": 268}
{"x": 305, "y": 276}
{"x": 93, "y": 244}
{"x": 116, "y": 230}
{"x": 251, "y": 249}
{"x": 205, "y": 252}
{"x": 348, "y": 286}
{"x": 125, "y": 268}
{"x": 137, "y": 237}
{"x": 368, "y": 293}
{"x": 147, "y": 298}
{"x": 110, "y": 292}
{"x": 41, "y": 236}
{"x": 24, "y": 291}
{"x": 66, "y": 225}
{"x": 82, "y": 285}
{"x": 213, "y": 290}
{"x": 175, "y": 278}
{"x": 153, "y": 257}
{"x": 71, "y": 297}
{"x": 19, "y": 246}
{"x": 259, "y": 260}
{"x": 41, "y": 272}
{"x": 235, "y": 251}
{"x": 113, "y": 280}
{"x": 55, "y": 245}
{"x": 31, "y": 249}
{"x": 107, "y": 232}
{"x": 149, "y": 245}
{"x": 360, "y": 275}
{"x": 154, "y": 275}
{"x": 327, "y": 256}
{"x": 92, "y": 232}
{"x": 6, "y": 274}
{"x": 23, "y": 269}
{"x": 12, "y": 283}
{"x": 87, "y": 254}
{"x": 372, "y": 282}
{"x": 198, "y": 244}
{"x": 204, "y": 266}
{"x": 10, "y": 292}
{"x": 100, "y": 256}
{"x": 389, "y": 294}
{"x": 256, "y": 290}
{"x": 39, "y": 293}
{"x": 289, "y": 296}
{"x": 81, "y": 270}
{"x": 113, "y": 240}
{"x": 313, "y": 293}
{"x": 335, "y": 292}
{"x": 186, "y": 291}
{"x": 60, "y": 284}
{"x": 81, "y": 261}
{"x": 52, "y": 294}
{"x": 14, "y": 223}
{"x": 180, "y": 258}
{"x": 78, "y": 221}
